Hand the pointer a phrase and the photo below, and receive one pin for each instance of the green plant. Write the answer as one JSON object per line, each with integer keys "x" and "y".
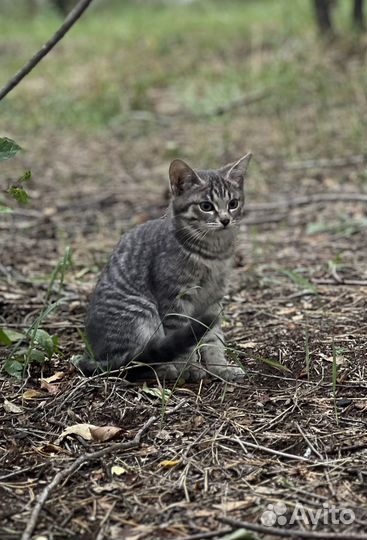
{"x": 300, "y": 281}
{"x": 35, "y": 346}
{"x": 274, "y": 364}
{"x": 8, "y": 150}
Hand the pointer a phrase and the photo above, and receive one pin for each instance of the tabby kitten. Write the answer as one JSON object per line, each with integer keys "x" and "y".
{"x": 161, "y": 291}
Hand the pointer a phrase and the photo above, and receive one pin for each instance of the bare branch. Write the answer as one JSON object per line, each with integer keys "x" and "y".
{"x": 70, "y": 20}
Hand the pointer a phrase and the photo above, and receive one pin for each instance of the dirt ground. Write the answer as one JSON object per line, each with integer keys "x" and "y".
{"x": 214, "y": 451}
{"x": 99, "y": 121}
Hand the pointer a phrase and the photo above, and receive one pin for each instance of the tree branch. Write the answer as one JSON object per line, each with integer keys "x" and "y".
{"x": 50, "y": 44}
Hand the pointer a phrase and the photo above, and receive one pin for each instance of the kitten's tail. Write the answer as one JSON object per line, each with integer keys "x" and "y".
{"x": 159, "y": 350}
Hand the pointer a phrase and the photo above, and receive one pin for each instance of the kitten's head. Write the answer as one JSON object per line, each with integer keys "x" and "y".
{"x": 209, "y": 200}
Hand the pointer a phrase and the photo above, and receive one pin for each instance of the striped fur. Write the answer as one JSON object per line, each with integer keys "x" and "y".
{"x": 167, "y": 273}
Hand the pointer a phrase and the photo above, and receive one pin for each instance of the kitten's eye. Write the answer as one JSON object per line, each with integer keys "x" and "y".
{"x": 206, "y": 206}
{"x": 233, "y": 203}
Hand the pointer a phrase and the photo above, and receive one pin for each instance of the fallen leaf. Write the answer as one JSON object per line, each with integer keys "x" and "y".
{"x": 117, "y": 470}
{"x": 199, "y": 420}
{"x": 248, "y": 345}
{"x": 89, "y": 432}
{"x": 229, "y": 506}
{"x": 55, "y": 377}
{"x": 286, "y": 311}
{"x": 31, "y": 394}
{"x": 52, "y": 389}
{"x": 340, "y": 360}
{"x": 11, "y": 407}
{"x": 105, "y": 433}
{"x": 146, "y": 450}
{"x": 163, "y": 435}
{"x": 204, "y": 513}
{"x": 83, "y": 430}
{"x": 49, "y": 449}
{"x": 168, "y": 463}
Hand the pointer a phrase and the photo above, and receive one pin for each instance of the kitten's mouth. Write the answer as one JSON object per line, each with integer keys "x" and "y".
{"x": 220, "y": 228}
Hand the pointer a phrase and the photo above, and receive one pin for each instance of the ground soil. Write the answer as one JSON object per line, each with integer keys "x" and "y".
{"x": 197, "y": 462}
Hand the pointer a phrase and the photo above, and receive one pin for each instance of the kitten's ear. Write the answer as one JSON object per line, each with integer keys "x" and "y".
{"x": 182, "y": 177}
{"x": 236, "y": 171}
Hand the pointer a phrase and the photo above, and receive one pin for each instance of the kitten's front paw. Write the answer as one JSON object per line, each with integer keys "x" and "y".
{"x": 228, "y": 373}
{"x": 218, "y": 366}
{"x": 193, "y": 373}
{"x": 167, "y": 372}
{"x": 188, "y": 372}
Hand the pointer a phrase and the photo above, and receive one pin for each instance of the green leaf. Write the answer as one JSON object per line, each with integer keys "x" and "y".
{"x": 5, "y": 210}
{"x": 8, "y": 148}
{"x": 45, "y": 342}
{"x": 25, "y": 177}
{"x": 19, "y": 194}
{"x": 160, "y": 393}
{"x": 36, "y": 356}
{"x": 299, "y": 280}
{"x": 76, "y": 359}
{"x": 14, "y": 368}
{"x": 275, "y": 364}
{"x": 55, "y": 341}
{"x": 7, "y": 336}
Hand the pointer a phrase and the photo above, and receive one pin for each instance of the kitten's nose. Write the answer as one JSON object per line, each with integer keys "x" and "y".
{"x": 224, "y": 222}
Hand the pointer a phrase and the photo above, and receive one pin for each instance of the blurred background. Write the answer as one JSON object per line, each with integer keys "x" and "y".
{"x": 135, "y": 84}
{"x": 206, "y": 80}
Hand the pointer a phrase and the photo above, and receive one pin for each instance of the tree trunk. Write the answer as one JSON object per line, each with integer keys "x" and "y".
{"x": 323, "y": 18}
{"x": 358, "y": 15}
{"x": 63, "y": 6}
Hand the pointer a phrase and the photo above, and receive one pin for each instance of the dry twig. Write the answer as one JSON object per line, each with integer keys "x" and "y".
{"x": 271, "y": 451}
{"x": 81, "y": 460}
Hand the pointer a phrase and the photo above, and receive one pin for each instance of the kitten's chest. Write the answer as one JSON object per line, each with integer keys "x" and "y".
{"x": 206, "y": 284}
